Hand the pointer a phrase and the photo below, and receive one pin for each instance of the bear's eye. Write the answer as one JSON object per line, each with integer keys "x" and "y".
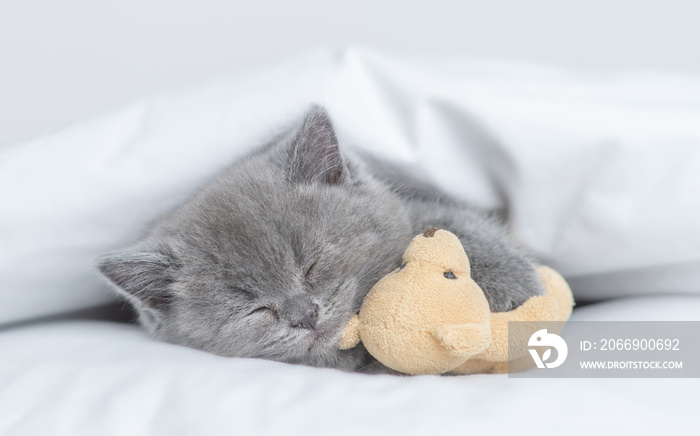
{"x": 450, "y": 275}
{"x": 403, "y": 265}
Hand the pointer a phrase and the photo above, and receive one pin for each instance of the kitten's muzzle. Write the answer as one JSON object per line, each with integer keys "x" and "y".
{"x": 301, "y": 312}
{"x": 308, "y": 322}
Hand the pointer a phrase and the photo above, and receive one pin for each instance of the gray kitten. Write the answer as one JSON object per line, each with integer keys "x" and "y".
{"x": 271, "y": 258}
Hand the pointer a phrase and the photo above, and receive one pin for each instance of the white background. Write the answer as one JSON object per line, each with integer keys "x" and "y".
{"x": 61, "y": 61}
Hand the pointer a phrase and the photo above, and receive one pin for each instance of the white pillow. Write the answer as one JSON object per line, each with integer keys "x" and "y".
{"x": 601, "y": 175}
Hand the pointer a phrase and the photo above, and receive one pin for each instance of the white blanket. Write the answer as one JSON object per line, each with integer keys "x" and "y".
{"x": 600, "y": 174}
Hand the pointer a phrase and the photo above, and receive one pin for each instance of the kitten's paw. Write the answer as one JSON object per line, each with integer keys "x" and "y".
{"x": 507, "y": 284}
{"x": 505, "y": 304}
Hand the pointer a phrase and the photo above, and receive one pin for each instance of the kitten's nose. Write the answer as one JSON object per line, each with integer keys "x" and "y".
{"x": 302, "y": 314}
{"x": 308, "y": 321}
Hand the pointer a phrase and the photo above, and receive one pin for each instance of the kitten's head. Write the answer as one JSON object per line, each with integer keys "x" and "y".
{"x": 271, "y": 258}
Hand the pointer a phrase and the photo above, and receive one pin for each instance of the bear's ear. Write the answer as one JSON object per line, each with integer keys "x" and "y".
{"x": 350, "y": 336}
{"x": 314, "y": 155}
{"x": 144, "y": 277}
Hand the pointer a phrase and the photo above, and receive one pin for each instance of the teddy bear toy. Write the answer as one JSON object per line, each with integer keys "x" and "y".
{"x": 430, "y": 317}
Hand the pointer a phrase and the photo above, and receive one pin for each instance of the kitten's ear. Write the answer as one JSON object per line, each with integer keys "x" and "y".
{"x": 314, "y": 155}
{"x": 143, "y": 276}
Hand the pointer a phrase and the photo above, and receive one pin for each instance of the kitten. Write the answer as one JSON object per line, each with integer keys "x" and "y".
{"x": 272, "y": 257}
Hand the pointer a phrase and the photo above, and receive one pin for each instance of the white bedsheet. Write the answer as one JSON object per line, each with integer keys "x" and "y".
{"x": 99, "y": 378}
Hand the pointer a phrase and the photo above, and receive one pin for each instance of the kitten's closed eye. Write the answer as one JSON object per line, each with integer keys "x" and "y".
{"x": 264, "y": 310}
{"x": 309, "y": 270}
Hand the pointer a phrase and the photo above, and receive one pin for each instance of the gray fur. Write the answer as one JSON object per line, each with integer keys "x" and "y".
{"x": 271, "y": 258}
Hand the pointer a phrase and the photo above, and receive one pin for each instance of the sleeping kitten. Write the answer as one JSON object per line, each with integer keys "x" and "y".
{"x": 271, "y": 258}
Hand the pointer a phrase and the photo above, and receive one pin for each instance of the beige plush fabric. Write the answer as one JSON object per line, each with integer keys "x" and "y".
{"x": 555, "y": 305}
{"x": 420, "y": 320}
